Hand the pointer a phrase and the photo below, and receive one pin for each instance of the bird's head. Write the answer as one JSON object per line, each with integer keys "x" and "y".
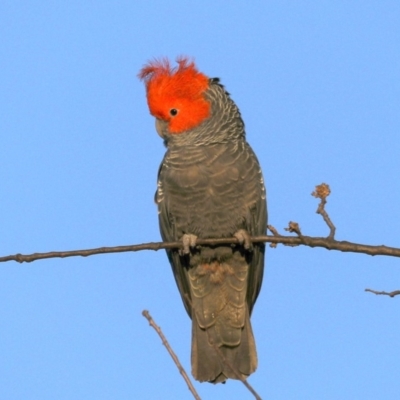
{"x": 176, "y": 95}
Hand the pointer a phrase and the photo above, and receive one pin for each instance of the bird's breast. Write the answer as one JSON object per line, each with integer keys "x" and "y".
{"x": 203, "y": 189}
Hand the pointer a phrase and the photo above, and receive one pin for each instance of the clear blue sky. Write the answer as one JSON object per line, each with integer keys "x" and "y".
{"x": 318, "y": 85}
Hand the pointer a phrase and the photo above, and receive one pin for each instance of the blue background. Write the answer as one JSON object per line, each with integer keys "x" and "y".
{"x": 318, "y": 85}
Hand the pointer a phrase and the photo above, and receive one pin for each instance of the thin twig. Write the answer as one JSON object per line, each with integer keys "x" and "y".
{"x": 236, "y": 372}
{"x": 391, "y": 294}
{"x": 322, "y": 191}
{"x": 286, "y": 240}
{"x": 147, "y": 315}
{"x": 275, "y": 233}
{"x": 294, "y": 227}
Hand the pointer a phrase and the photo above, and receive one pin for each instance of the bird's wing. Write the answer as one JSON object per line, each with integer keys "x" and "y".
{"x": 168, "y": 233}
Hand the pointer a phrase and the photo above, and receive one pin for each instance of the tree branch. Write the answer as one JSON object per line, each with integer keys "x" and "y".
{"x": 391, "y": 294}
{"x": 147, "y": 315}
{"x": 309, "y": 241}
{"x": 238, "y": 375}
{"x": 321, "y": 191}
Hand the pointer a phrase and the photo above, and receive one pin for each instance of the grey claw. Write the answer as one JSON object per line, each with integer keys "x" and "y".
{"x": 244, "y": 238}
{"x": 188, "y": 241}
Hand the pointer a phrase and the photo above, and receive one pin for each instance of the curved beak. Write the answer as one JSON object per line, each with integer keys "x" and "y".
{"x": 161, "y": 127}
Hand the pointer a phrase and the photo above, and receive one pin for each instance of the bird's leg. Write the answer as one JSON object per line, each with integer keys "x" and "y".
{"x": 188, "y": 241}
{"x": 244, "y": 239}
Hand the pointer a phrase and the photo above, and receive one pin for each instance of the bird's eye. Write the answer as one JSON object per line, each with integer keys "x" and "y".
{"x": 173, "y": 111}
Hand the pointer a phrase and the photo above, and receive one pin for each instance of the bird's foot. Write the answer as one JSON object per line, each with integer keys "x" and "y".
{"x": 244, "y": 239}
{"x": 188, "y": 241}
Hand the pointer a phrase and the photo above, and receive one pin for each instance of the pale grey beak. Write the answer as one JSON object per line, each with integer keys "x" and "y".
{"x": 161, "y": 127}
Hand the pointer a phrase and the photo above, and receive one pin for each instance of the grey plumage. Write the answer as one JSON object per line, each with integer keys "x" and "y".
{"x": 210, "y": 185}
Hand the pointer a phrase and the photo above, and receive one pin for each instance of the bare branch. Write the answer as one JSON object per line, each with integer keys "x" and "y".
{"x": 147, "y": 315}
{"x": 322, "y": 191}
{"x": 274, "y": 231}
{"x": 236, "y": 372}
{"x": 294, "y": 227}
{"x": 286, "y": 240}
{"x": 391, "y": 294}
